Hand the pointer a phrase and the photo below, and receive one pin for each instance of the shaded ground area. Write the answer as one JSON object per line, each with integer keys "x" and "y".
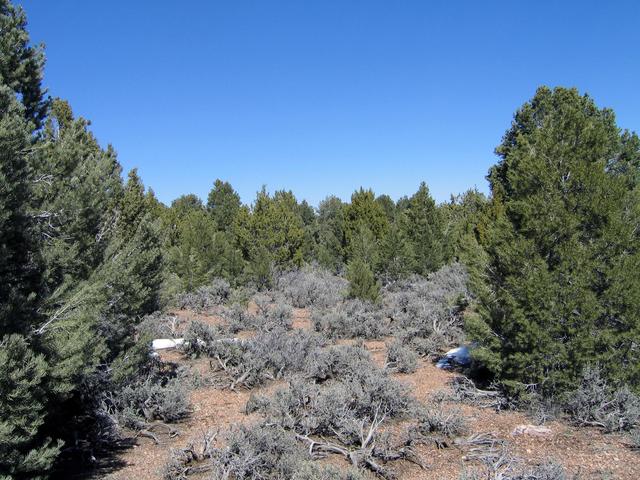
{"x": 584, "y": 451}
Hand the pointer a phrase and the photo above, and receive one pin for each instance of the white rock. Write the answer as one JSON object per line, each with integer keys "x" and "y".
{"x": 166, "y": 343}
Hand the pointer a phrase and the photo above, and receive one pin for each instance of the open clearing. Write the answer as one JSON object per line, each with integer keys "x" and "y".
{"x": 584, "y": 451}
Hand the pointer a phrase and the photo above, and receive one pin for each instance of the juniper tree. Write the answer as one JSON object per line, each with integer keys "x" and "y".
{"x": 275, "y": 227}
{"x": 388, "y": 205}
{"x": 365, "y": 246}
{"x": 422, "y": 224}
{"x": 362, "y": 281}
{"x": 465, "y": 219}
{"x": 397, "y": 257}
{"x": 154, "y": 206}
{"x": 307, "y": 213}
{"x": 229, "y": 262}
{"x": 363, "y": 213}
{"x": 563, "y": 251}
{"x": 308, "y": 216}
{"x": 185, "y": 204}
{"x": 223, "y": 204}
{"x": 191, "y": 256}
{"x": 259, "y": 266}
{"x": 329, "y": 234}
{"x": 200, "y": 252}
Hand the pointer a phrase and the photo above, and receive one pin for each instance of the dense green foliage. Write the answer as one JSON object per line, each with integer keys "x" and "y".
{"x": 19, "y": 268}
{"x": 552, "y": 258}
{"x": 80, "y": 263}
{"x": 23, "y": 400}
{"x": 21, "y": 64}
{"x": 563, "y": 247}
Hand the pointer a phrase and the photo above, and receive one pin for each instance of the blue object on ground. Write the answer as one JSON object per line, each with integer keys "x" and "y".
{"x": 457, "y": 356}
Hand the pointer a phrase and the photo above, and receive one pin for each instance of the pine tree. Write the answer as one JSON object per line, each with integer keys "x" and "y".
{"x": 185, "y": 204}
{"x": 388, "y": 206}
{"x": 125, "y": 285}
{"x": 193, "y": 256}
{"x": 329, "y": 236}
{"x": 23, "y": 401}
{"x": 465, "y": 220}
{"x": 277, "y": 227}
{"x": 23, "y": 392}
{"x": 563, "y": 250}
{"x": 100, "y": 275}
{"x": 223, "y": 204}
{"x": 364, "y": 211}
{"x": 259, "y": 267}
{"x": 362, "y": 281}
{"x": 397, "y": 259}
{"x": 75, "y": 194}
{"x": 422, "y": 223}
{"x": 133, "y": 206}
{"x": 21, "y": 64}
{"x": 365, "y": 247}
{"x": 19, "y": 264}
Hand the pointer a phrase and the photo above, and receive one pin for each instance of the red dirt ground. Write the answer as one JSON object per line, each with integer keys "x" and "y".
{"x": 584, "y": 451}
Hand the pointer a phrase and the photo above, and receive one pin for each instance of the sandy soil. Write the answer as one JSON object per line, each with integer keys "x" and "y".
{"x": 584, "y": 451}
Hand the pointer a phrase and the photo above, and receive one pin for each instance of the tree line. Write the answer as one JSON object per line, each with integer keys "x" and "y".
{"x": 552, "y": 254}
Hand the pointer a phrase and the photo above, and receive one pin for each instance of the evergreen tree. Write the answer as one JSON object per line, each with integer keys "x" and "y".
{"x": 363, "y": 213}
{"x": 308, "y": 216}
{"x": 154, "y": 206}
{"x": 23, "y": 393}
{"x": 563, "y": 250}
{"x": 228, "y": 261}
{"x": 133, "y": 207}
{"x": 388, "y": 206}
{"x": 23, "y": 401}
{"x": 259, "y": 268}
{"x": 193, "y": 255}
{"x": 223, "y": 204}
{"x": 64, "y": 209}
{"x": 364, "y": 246}
{"x": 463, "y": 214}
{"x": 307, "y": 213}
{"x": 21, "y": 64}
{"x": 129, "y": 282}
{"x": 19, "y": 264}
{"x": 329, "y": 236}
{"x": 466, "y": 219}
{"x": 397, "y": 259}
{"x": 362, "y": 281}
{"x": 185, "y": 204}
{"x": 241, "y": 232}
{"x": 423, "y": 226}
{"x": 277, "y": 226}
{"x": 75, "y": 194}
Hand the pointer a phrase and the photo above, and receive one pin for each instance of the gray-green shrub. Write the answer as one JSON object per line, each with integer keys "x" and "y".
{"x": 401, "y": 358}
{"x": 311, "y": 286}
{"x": 596, "y": 403}
{"x": 351, "y": 319}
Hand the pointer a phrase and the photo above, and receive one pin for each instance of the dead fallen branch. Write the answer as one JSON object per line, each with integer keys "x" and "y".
{"x": 464, "y": 390}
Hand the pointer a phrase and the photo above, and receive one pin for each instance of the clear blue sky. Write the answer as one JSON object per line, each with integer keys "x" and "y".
{"x": 326, "y": 96}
